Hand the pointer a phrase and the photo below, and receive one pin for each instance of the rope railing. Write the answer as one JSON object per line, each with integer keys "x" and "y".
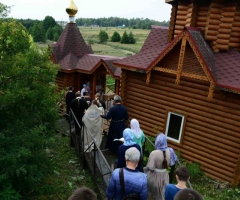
{"x": 92, "y": 154}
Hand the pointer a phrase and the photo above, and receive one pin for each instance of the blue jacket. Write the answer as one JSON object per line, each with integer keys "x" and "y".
{"x": 135, "y": 182}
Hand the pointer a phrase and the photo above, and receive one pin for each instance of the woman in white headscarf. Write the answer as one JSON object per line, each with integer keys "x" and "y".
{"x": 139, "y": 137}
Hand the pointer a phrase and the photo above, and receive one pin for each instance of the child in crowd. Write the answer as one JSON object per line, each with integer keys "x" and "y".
{"x": 182, "y": 176}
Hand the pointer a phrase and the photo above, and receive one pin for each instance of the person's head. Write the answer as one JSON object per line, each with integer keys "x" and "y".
{"x": 117, "y": 99}
{"x": 188, "y": 194}
{"x": 78, "y": 94}
{"x": 128, "y": 136}
{"x": 132, "y": 155}
{"x": 97, "y": 95}
{"x": 154, "y": 162}
{"x": 182, "y": 174}
{"x": 94, "y": 102}
{"x": 83, "y": 193}
{"x": 161, "y": 142}
{"x": 134, "y": 124}
{"x": 88, "y": 83}
{"x": 84, "y": 85}
{"x": 70, "y": 88}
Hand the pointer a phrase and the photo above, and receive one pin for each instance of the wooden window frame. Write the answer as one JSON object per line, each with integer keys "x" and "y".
{"x": 183, "y": 124}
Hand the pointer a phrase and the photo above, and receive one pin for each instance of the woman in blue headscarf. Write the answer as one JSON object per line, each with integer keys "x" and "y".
{"x": 129, "y": 142}
{"x": 161, "y": 144}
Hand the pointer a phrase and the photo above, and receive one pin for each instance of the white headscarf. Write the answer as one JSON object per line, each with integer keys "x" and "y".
{"x": 135, "y": 127}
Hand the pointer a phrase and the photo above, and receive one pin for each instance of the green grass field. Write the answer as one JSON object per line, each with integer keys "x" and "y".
{"x": 114, "y": 48}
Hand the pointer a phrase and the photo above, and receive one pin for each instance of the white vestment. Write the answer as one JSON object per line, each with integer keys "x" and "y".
{"x": 94, "y": 124}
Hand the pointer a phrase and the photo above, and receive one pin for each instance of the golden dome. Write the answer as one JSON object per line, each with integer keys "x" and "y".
{"x": 72, "y": 9}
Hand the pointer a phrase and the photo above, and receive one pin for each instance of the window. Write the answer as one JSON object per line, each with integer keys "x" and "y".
{"x": 174, "y": 126}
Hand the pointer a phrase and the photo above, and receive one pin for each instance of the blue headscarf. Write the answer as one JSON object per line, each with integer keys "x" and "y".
{"x": 128, "y": 136}
{"x": 161, "y": 144}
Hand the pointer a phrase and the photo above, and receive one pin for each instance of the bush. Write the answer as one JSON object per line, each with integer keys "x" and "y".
{"x": 116, "y": 37}
{"x": 91, "y": 41}
{"x": 103, "y": 36}
{"x": 134, "y": 27}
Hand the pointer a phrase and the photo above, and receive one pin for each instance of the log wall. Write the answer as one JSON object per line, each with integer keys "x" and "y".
{"x": 211, "y": 134}
{"x": 64, "y": 80}
{"x": 220, "y": 22}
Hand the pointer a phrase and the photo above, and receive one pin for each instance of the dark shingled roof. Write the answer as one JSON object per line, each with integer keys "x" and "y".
{"x": 155, "y": 43}
{"x": 73, "y": 54}
{"x": 70, "y": 41}
{"x": 223, "y": 67}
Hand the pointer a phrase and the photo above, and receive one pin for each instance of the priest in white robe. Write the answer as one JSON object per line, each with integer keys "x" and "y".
{"x": 94, "y": 125}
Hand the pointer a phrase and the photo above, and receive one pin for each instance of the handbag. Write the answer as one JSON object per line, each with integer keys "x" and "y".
{"x": 131, "y": 196}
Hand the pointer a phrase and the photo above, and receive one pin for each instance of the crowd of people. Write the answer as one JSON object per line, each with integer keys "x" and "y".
{"x": 129, "y": 180}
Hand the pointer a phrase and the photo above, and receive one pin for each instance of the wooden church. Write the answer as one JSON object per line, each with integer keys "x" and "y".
{"x": 185, "y": 82}
{"x": 78, "y": 64}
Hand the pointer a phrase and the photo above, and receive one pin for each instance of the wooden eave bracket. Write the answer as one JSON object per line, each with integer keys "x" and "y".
{"x": 211, "y": 90}
{"x": 181, "y": 59}
{"x": 148, "y": 77}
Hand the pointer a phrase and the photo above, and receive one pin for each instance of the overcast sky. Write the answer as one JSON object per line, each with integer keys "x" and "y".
{"x": 38, "y": 9}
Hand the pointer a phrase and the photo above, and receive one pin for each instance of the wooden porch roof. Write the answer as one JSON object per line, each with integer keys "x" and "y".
{"x": 73, "y": 54}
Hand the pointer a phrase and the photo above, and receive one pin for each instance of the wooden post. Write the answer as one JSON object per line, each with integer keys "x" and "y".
{"x": 181, "y": 59}
{"x": 94, "y": 83}
{"x": 117, "y": 85}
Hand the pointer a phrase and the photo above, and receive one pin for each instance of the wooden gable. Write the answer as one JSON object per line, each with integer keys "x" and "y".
{"x": 189, "y": 63}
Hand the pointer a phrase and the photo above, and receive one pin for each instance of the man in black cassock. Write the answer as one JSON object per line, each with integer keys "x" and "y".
{"x": 78, "y": 107}
{"x": 69, "y": 97}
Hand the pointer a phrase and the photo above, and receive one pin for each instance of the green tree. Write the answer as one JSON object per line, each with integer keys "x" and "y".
{"x": 55, "y": 37}
{"x": 125, "y": 38}
{"x": 49, "y": 22}
{"x": 103, "y": 36}
{"x": 28, "y": 114}
{"x": 116, "y": 37}
{"x": 131, "y": 39}
{"x": 38, "y": 32}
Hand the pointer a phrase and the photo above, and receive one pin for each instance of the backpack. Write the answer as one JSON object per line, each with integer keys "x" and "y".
{"x": 131, "y": 196}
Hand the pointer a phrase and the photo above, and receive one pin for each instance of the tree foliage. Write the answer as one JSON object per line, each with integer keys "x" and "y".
{"x": 38, "y": 32}
{"x": 116, "y": 37}
{"x": 102, "y": 36}
{"x": 28, "y": 114}
{"x": 139, "y": 23}
{"x": 131, "y": 39}
{"x": 125, "y": 38}
{"x": 53, "y": 33}
{"x": 49, "y": 22}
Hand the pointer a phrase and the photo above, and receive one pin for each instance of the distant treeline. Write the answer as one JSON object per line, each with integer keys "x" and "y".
{"x": 138, "y": 23}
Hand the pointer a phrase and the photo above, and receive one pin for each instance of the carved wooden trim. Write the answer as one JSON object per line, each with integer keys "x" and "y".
{"x": 173, "y": 44}
{"x": 199, "y": 59}
{"x": 195, "y": 76}
{"x": 181, "y": 59}
{"x": 170, "y": 71}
